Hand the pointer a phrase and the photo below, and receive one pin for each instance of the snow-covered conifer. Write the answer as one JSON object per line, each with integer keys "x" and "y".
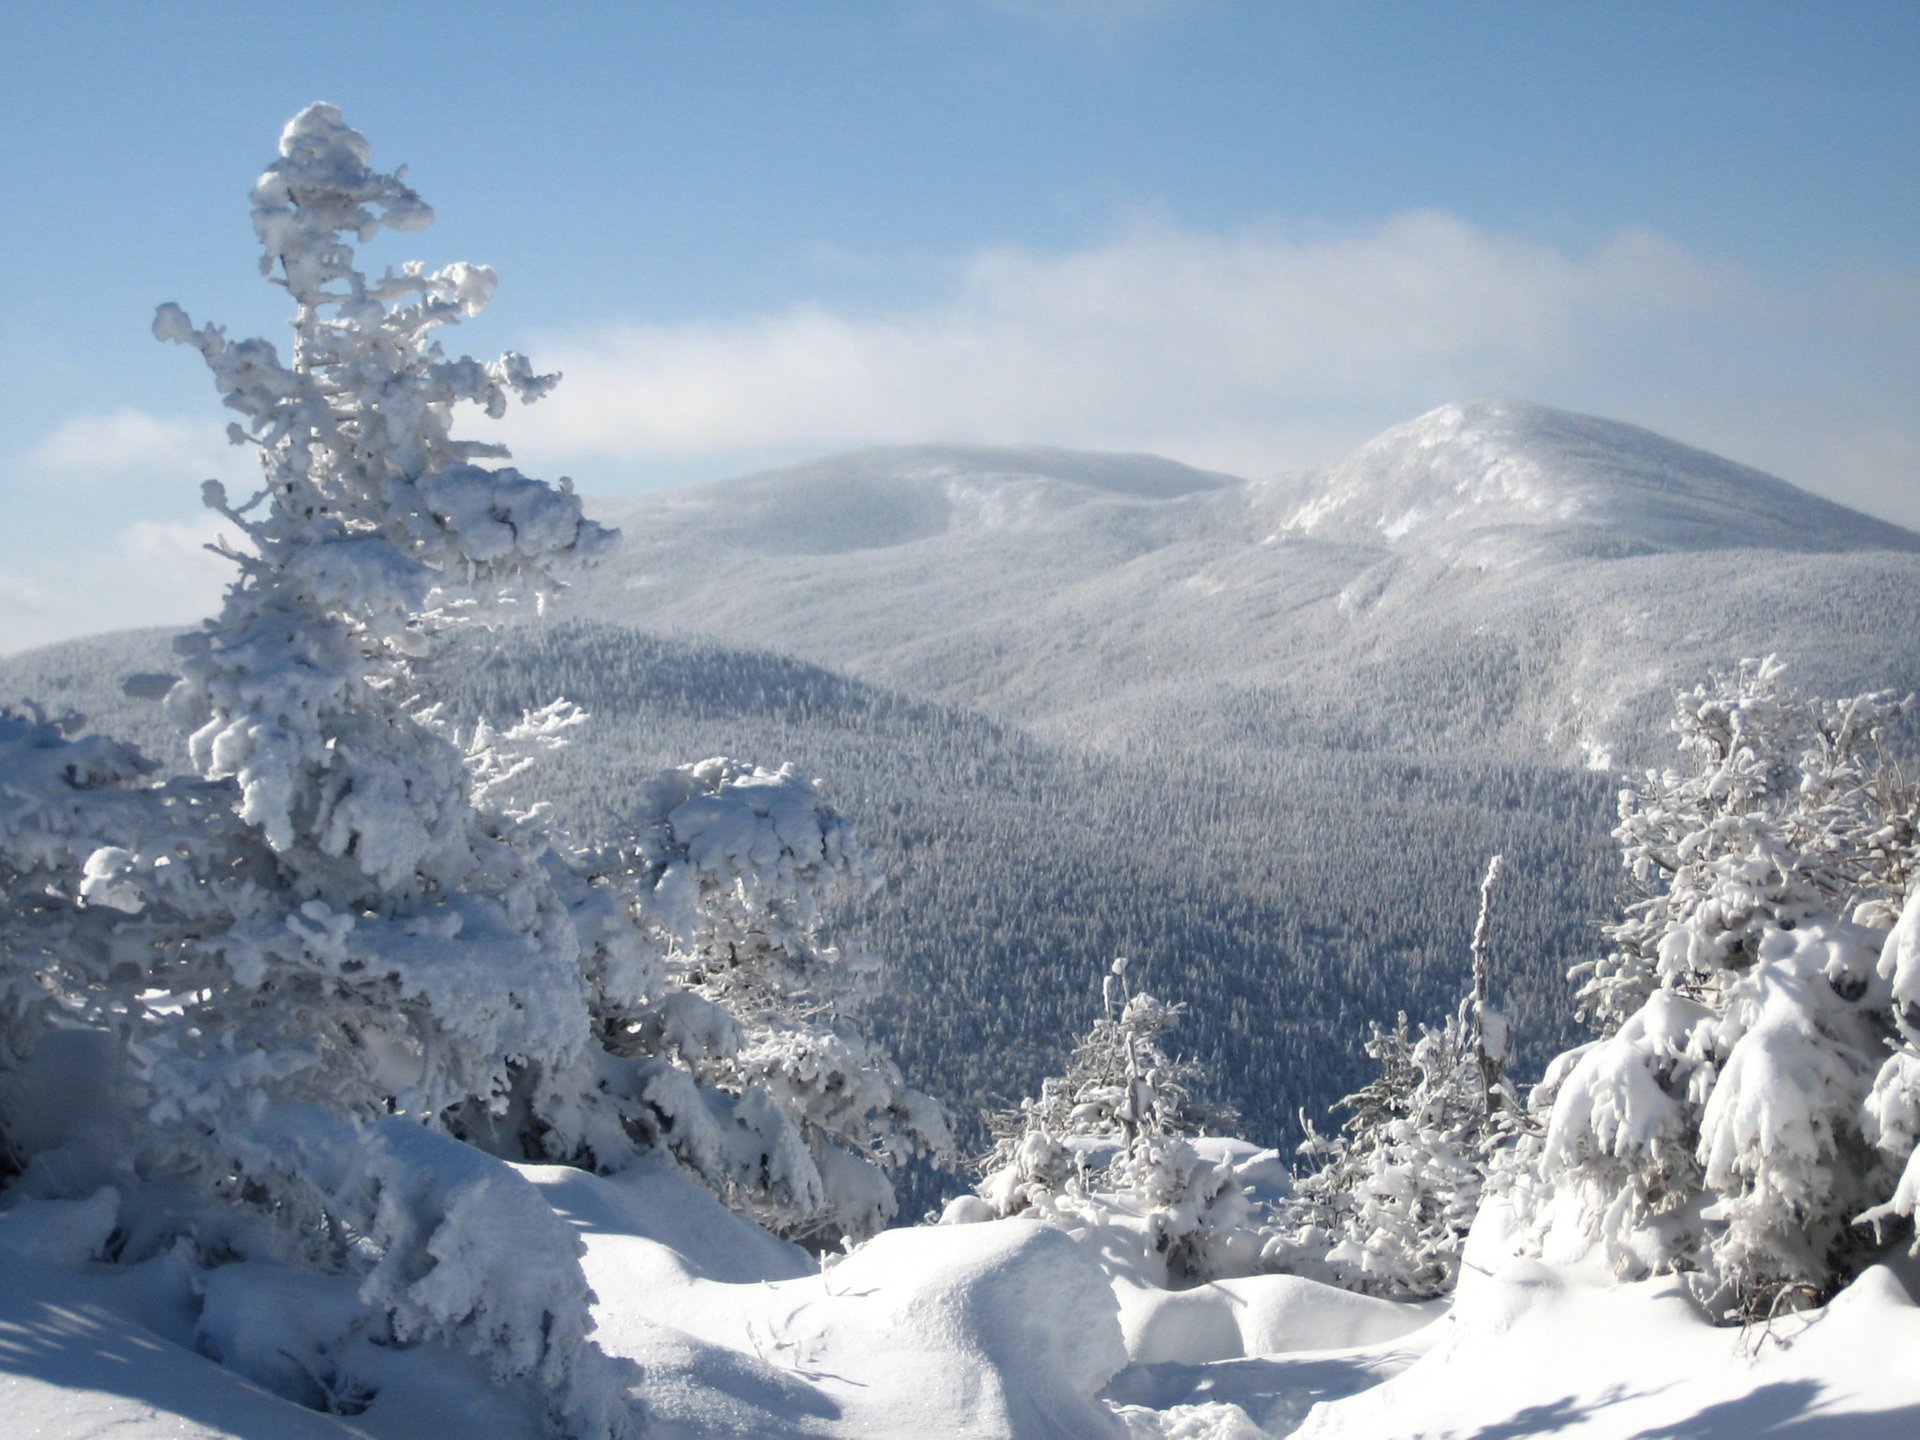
{"x": 1387, "y": 1207}
{"x": 1114, "y": 1135}
{"x": 1742, "y": 1113}
{"x": 409, "y": 954}
{"x": 1121, "y": 1080}
{"x": 323, "y": 984}
{"x": 731, "y": 869}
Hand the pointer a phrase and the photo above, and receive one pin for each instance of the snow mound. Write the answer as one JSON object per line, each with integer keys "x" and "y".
{"x": 656, "y": 1202}
{"x": 1258, "y": 1315}
{"x": 66, "y": 1233}
{"x": 76, "y": 1368}
{"x": 1531, "y": 1348}
{"x": 1004, "y": 1329}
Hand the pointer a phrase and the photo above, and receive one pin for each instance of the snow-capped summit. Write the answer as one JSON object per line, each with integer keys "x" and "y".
{"x": 875, "y": 499}
{"x": 1503, "y": 470}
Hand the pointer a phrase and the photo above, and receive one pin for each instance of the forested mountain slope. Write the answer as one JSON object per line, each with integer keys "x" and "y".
{"x": 1261, "y": 736}
{"x": 1288, "y": 898}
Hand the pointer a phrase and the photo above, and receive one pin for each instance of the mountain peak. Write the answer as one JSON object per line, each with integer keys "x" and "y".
{"x": 1464, "y": 476}
{"x": 880, "y": 498}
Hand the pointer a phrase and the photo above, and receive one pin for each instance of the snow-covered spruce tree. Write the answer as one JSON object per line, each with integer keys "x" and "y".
{"x": 1113, "y": 1138}
{"x": 320, "y": 986}
{"x": 1751, "y": 1099}
{"x": 411, "y": 953}
{"x": 1388, "y": 1206}
{"x": 294, "y": 969}
{"x": 729, "y": 869}
{"x": 441, "y": 932}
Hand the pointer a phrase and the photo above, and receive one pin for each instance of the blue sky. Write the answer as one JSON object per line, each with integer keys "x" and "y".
{"x": 1245, "y": 235}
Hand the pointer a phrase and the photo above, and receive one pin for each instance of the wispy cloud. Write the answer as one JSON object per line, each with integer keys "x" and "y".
{"x": 181, "y": 549}
{"x": 1160, "y": 333}
{"x": 148, "y": 573}
{"x": 1255, "y": 351}
{"x": 104, "y": 527}
{"x": 124, "y": 440}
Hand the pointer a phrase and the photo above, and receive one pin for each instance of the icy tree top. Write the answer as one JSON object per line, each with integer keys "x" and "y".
{"x": 320, "y": 188}
{"x": 374, "y": 527}
{"x": 357, "y": 431}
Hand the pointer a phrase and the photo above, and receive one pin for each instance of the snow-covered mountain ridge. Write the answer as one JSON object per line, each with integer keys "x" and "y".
{"x": 1495, "y": 467}
{"x": 874, "y": 499}
{"x": 1498, "y": 577}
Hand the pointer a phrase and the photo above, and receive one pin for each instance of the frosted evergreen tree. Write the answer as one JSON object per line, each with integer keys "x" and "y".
{"x": 320, "y": 986}
{"x": 1121, "y": 1085}
{"x": 731, "y": 869}
{"x": 418, "y": 933}
{"x": 1749, "y": 1103}
{"x": 1116, "y": 1131}
{"x": 438, "y": 930}
{"x": 1387, "y": 1207}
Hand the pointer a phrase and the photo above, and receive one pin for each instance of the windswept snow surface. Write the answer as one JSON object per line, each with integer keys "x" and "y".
{"x": 1534, "y": 1349}
{"x": 991, "y": 1330}
{"x": 1002, "y": 1329}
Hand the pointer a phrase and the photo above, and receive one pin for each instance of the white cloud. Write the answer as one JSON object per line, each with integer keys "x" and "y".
{"x": 1161, "y": 332}
{"x": 130, "y": 441}
{"x": 22, "y": 597}
{"x": 1257, "y": 351}
{"x": 149, "y": 573}
{"x": 104, "y": 529}
{"x": 179, "y": 547}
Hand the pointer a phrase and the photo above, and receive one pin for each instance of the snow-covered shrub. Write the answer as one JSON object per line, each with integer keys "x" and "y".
{"x": 61, "y": 797}
{"x": 1112, "y": 1140}
{"x": 1892, "y": 1110}
{"x": 1120, "y": 1082}
{"x": 1388, "y": 1206}
{"x": 456, "y": 1247}
{"x": 1750, "y": 1100}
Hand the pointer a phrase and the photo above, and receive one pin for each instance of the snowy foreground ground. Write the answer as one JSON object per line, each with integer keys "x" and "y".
{"x": 1007, "y": 1328}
